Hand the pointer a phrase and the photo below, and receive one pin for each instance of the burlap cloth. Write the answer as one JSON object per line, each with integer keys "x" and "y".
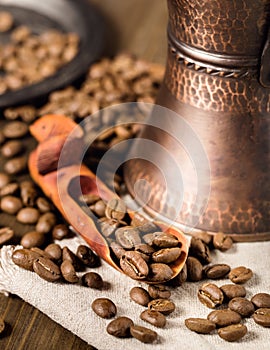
{"x": 70, "y": 305}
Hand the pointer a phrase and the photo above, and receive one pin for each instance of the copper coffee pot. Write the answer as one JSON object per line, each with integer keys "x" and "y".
{"x": 218, "y": 80}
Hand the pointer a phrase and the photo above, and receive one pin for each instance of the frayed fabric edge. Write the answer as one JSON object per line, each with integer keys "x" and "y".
{"x": 7, "y": 268}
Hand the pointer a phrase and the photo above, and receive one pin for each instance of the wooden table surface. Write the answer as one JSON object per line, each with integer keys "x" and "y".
{"x": 136, "y": 26}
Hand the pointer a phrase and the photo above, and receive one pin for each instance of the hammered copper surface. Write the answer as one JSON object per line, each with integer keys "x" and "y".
{"x": 234, "y": 27}
{"x": 193, "y": 85}
{"x": 216, "y": 80}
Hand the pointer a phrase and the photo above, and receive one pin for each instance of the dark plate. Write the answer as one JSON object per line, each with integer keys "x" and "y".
{"x": 69, "y": 16}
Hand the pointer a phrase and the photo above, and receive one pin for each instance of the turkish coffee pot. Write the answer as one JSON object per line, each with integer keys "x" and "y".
{"x": 217, "y": 81}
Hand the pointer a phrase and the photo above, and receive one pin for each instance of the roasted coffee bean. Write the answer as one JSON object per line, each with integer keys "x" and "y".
{"x": 165, "y": 240}
{"x": 145, "y": 250}
{"x": 134, "y": 265}
{"x": 128, "y": 237}
{"x": 122, "y": 132}
{"x": 167, "y": 255}
{"x": 68, "y": 272}
{"x": 28, "y": 193}
{"x": 200, "y": 250}
{"x": 11, "y": 205}
{"x": 25, "y": 258}
{"x": 158, "y": 291}
{"x": 139, "y": 220}
{"x": 27, "y": 184}
{"x": 87, "y": 256}
{"x": 46, "y": 222}
{"x": 159, "y": 273}
{"x": 194, "y": 269}
{"x": 117, "y": 249}
{"x": 155, "y": 318}
{"x": 6, "y": 23}
{"x": 106, "y": 134}
{"x": 47, "y": 269}
{"x": 210, "y": 295}
{"x": 262, "y": 316}
{"x": 116, "y": 209}
{"x": 140, "y": 296}
{"x": 109, "y": 226}
{"x": 223, "y": 318}
{"x": 41, "y": 252}
{"x": 4, "y": 180}
{"x": 11, "y": 114}
{"x": 20, "y": 34}
{"x": 242, "y": 306}
{"x": 9, "y": 189}
{"x": 14, "y": 130}
{"x": 28, "y": 215}
{"x": 27, "y": 113}
{"x": 92, "y": 280}
{"x": 200, "y": 325}
{"x": 104, "y": 308}
{"x": 43, "y": 205}
{"x": 240, "y": 274}
{"x": 222, "y": 242}
{"x": 6, "y": 235}
{"x": 231, "y": 291}
{"x": 204, "y": 236}
{"x": 28, "y": 59}
{"x": 11, "y": 148}
{"x": 217, "y": 271}
{"x": 149, "y": 238}
{"x": 60, "y": 232}
{"x": 67, "y": 254}
{"x": 33, "y": 239}
{"x": 143, "y": 334}
{"x": 164, "y": 306}
{"x": 233, "y": 332}
{"x": 15, "y": 166}
{"x": 261, "y": 300}
{"x": 148, "y": 227}
{"x": 120, "y": 327}
{"x": 89, "y": 199}
{"x": 99, "y": 208}
{"x": 180, "y": 278}
{"x": 69, "y": 53}
{"x": 55, "y": 251}
{"x": 13, "y": 81}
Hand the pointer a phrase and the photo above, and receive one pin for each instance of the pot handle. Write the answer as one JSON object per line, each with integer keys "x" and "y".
{"x": 265, "y": 63}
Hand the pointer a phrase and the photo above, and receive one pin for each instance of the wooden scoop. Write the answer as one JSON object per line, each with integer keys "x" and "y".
{"x": 62, "y": 186}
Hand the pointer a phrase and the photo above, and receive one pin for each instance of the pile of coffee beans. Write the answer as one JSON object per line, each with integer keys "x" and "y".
{"x": 29, "y": 58}
{"x": 25, "y": 203}
{"x": 228, "y": 321}
{"x": 122, "y": 327}
{"x": 6, "y": 21}
{"x": 121, "y": 79}
{"x": 137, "y": 245}
{"x": 26, "y": 215}
{"x": 55, "y": 264}
{"x": 108, "y": 82}
{"x": 13, "y": 148}
{"x": 157, "y": 301}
